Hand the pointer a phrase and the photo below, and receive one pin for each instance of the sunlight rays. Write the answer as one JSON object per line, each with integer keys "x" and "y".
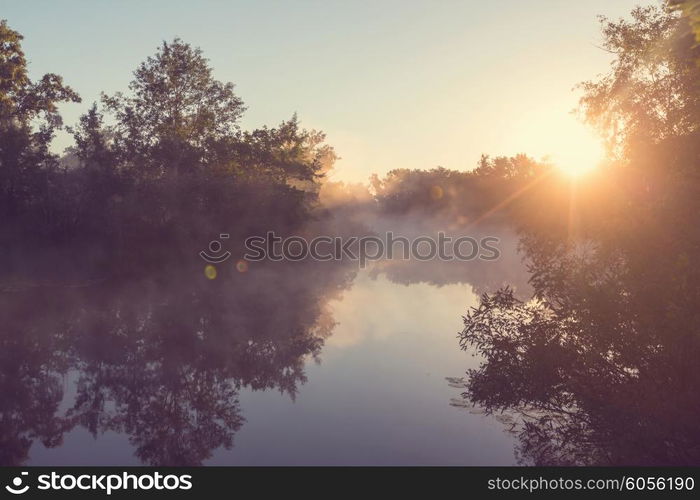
{"x": 510, "y": 198}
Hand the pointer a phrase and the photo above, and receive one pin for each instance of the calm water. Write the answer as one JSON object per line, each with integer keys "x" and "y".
{"x": 311, "y": 363}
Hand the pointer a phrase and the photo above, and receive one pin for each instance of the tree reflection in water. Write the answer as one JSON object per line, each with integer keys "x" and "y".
{"x": 600, "y": 367}
{"x": 161, "y": 360}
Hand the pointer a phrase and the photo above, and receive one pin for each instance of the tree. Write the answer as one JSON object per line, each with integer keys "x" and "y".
{"x": 601, "y": 366}
{"x": 28, "y": 119}
{"x": 652, "y": 92}
{"x": 690, "y": 9}
{"x": 166, "y": 165}
{"x": 175, "y": 113}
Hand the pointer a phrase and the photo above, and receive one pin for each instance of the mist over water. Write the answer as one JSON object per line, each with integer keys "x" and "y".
{"x": 285, "y": 363}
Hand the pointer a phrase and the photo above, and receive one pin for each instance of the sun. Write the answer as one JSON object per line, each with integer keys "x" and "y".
{"x": 576, "y": 170}
{"x": 578, "y": 151}
{"x": 563, "y": 141}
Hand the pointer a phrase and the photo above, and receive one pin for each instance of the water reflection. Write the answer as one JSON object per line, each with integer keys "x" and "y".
{"x": 32, "y": 360}
{"x": 161, "y": 360}
{"x": 602, "y": 367}
{"x": 484, "y": 277}
{"x": 165, "y": 359}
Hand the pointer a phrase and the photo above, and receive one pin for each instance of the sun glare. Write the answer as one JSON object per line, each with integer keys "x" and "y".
{"x": 576, "y": 170}
{"x": 561, "y": 139}
{"x": 579, "y": 151}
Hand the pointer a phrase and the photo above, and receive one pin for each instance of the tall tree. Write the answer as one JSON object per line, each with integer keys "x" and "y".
{"x": 652, "y": 92}
{"x": 28, "y": 119}
{"x": 174, "y": 114}
{"x": 601, "y": 368}
{"x": 176, "y": 139}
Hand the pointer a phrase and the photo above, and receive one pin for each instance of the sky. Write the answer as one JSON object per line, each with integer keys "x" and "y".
{"x": 393, "y": 84}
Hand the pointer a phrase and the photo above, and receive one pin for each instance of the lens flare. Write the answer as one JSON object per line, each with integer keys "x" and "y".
{"x": 210, "y": 272}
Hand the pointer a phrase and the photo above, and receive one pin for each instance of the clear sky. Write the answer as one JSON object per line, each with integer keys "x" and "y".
{"x": 394, "y": 84}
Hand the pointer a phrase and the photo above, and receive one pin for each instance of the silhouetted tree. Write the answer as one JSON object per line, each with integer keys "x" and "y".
{"x": 28, "y": 119}
{"x": 600, "y": 367}
{"x": 652, "y": 91}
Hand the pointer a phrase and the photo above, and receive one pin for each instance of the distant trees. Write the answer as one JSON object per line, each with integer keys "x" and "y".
{"x": 467, "y": 195}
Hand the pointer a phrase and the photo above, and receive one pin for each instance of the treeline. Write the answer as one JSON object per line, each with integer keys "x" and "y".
{"x": 159, "y": 170}
{"x": 465, "y": 194}
{"x": 163, "y": 166}
{"x": 498, "y": 191}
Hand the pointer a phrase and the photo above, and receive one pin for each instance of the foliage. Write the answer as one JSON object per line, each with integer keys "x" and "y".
{"x": 468, "y": 196}
{"x": 652, "y": 92}
{"x": 162, "y": 167}
{"x": 600, "y": 367}
{"x": 29, "y": 174}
